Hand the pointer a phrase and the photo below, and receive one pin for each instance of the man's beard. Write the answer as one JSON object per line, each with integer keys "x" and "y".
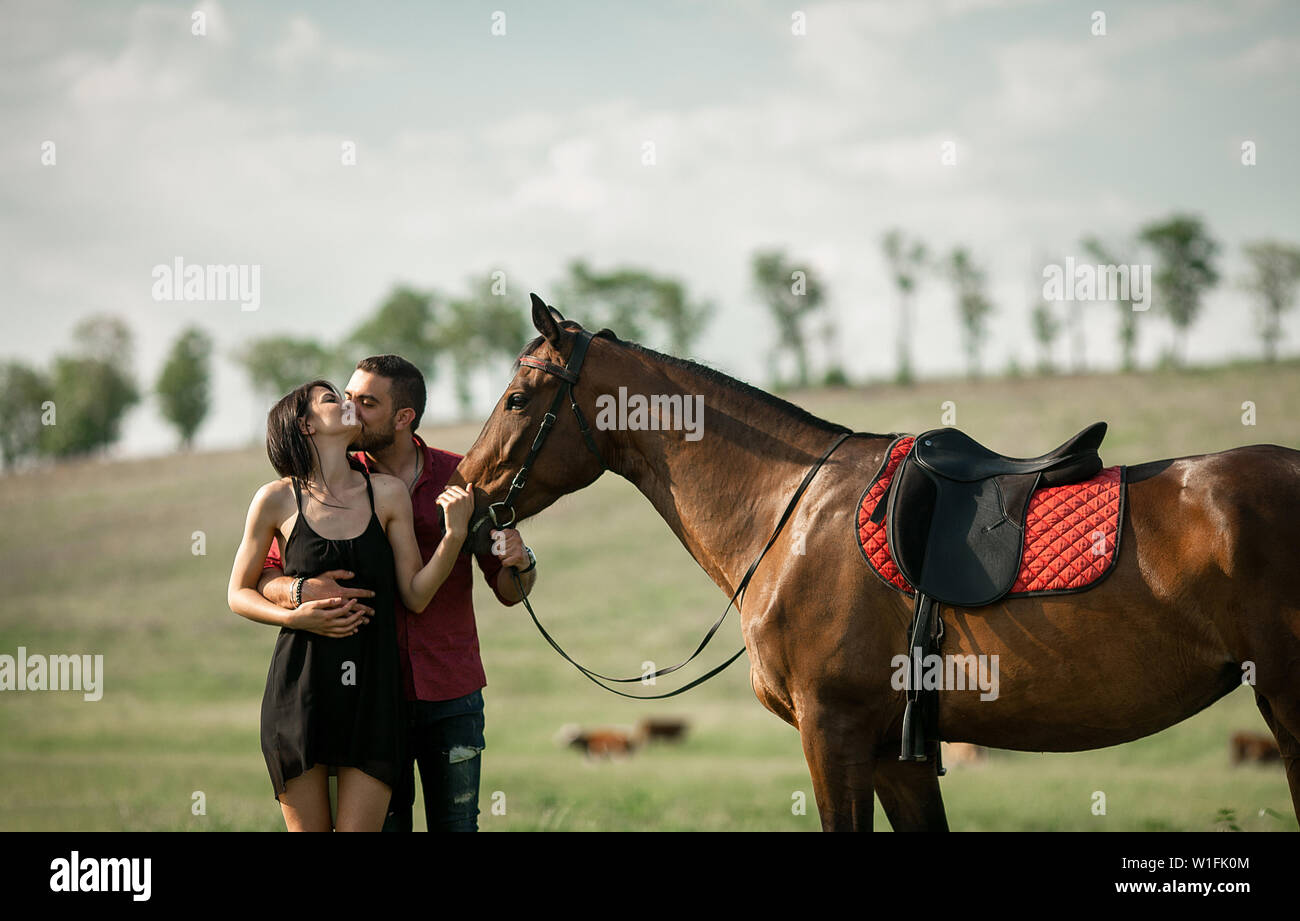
{"x": 371, "y": 440}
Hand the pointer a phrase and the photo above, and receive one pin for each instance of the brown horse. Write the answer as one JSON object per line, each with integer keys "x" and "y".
{"x": 1204, "y": 589}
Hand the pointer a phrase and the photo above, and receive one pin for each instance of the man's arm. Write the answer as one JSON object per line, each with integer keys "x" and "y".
{"x": 277, "y": 588}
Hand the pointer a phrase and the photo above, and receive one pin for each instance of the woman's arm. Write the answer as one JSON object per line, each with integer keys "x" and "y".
{"x": 259, "y": 530}
{"x": 416, "y": 584}
{"x": 328, "y": 617}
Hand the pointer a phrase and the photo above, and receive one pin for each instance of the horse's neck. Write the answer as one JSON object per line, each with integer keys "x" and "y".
{"x": 723, "y": 494}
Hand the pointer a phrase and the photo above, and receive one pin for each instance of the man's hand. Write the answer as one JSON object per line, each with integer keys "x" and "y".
{"x": 332, "y": 617}
{"x": 508, "y": 547}
{"x": 276, "y": 586}
{"x": 318, "y": 588}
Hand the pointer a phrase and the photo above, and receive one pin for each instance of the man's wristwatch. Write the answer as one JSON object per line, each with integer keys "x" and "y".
{"x": 532, "y": 560}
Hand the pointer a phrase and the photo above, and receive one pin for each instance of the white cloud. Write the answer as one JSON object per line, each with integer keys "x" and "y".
{"x": 304, "y": 48}
{"x": 161, "y": 63}
{"x": 1274, "y": 57}
{"x": 1048, "y": 85}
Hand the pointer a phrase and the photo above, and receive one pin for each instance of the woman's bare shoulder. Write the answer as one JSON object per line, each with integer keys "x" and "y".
{"x": 391, "y": 495}
{"x": 274, "y": 498}
{"x": 388, "y": 485}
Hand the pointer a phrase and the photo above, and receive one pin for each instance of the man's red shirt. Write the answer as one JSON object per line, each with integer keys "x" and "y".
{"x": 439, "y": 645}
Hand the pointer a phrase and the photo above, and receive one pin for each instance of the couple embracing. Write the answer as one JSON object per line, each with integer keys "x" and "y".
{"x": 377, "y": 663}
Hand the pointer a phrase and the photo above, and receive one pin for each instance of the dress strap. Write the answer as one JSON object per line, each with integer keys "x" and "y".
{"x": 297, "y": 494}
{"x": 369, "y": 492}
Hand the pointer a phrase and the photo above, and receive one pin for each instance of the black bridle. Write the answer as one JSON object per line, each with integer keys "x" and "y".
{"x": 569, "y": 375}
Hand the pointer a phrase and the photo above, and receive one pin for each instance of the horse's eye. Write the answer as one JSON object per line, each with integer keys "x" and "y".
{"x": 516, "y": 401}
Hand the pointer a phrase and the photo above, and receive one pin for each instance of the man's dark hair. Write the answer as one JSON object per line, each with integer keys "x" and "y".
{"x": 407, "y": 382}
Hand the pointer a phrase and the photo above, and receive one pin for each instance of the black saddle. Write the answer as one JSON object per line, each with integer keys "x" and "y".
{"x": 955, "y": 524}
{"x": 957, "y": 456}
{"x": 956, "y": 510}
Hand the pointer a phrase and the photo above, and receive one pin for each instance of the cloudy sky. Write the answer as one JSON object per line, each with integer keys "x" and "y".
{"x": 516, "y": 152}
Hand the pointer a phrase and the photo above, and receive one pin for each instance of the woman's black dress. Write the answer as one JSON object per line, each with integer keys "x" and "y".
{"x": 337, "y": 701}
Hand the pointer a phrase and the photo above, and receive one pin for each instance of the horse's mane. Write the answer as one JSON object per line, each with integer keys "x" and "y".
{"x": 712, "y": 375}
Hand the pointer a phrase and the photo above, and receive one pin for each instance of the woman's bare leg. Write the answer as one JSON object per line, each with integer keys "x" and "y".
{"x": 363, "y": 801}
{"x": 305, "y": 801}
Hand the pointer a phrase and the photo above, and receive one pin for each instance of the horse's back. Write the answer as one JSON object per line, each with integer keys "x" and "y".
{"x": 1236, "y": 510}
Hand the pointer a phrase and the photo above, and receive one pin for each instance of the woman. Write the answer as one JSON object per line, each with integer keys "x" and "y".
{"x": 333, "y": 704}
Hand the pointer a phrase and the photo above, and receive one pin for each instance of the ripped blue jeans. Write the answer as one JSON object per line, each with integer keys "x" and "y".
{"x": 446, "y": 740}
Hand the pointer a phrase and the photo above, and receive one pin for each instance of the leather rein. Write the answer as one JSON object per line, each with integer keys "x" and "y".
{"x": 569, "y": 375}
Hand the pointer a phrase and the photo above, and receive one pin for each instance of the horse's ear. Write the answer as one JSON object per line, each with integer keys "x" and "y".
{"x": 547, "y": 320}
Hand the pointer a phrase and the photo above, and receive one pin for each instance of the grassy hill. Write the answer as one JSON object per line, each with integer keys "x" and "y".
{"x": 100, "y": 558}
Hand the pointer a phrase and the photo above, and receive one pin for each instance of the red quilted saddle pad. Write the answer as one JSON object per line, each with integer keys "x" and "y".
{"x": 1071, "y": 532}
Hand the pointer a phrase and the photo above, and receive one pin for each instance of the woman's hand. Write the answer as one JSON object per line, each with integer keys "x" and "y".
{"x": 457, "y": 505}
{"x": 333, "y": 617}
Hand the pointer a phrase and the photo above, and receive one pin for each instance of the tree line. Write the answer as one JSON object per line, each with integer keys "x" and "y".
{"x": 464, "y": 334}
{"x": 1184, "y": 258}
{"x": 76, "y": 406}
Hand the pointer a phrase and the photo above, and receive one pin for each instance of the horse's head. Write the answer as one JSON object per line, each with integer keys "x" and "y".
{"x": 521, "y": 432}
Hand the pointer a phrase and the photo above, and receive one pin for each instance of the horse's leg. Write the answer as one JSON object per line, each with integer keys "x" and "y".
{"x": 840, "y": 761}
{"x": 1283, "y": 719}
{"x": 909, "y": 793}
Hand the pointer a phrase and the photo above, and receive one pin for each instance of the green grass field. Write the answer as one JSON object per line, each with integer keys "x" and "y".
{"x": 98, "y": 558}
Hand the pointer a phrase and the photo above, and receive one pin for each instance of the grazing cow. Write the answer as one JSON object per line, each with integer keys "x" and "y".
{"x": 599, "y": 743}
{"x": 1254, "y": 747}
{"x": 662, "y": 730}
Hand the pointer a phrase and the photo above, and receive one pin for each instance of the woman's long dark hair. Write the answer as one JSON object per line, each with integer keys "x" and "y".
{"x": 292, "y": 453}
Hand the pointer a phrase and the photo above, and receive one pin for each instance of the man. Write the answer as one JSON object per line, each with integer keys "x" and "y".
{"x": 441, "y": 669}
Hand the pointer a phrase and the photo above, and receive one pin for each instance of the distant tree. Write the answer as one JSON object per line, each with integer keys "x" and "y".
{"x": 835, "y": 375}
{"x": 92, "y": 389}
{"x": 105, "y": 338}
{"x": 792, "y": 292}
{"x": 683, "y": 318}
{"x": 1046, "y": 327}
{"x": 1127, "y": 315}
{"x": 277, "y": 364}
{"x": 1185, "y": 270}
{"x": 633, "y": 302}
{"x": 1074, "y": 317}
{"x": 184, "y": 383}
{"x": 25, "y": 391}
{"x": 906, "y": 261}
{"x": 482, "y": 326}
{"x": 91, "y": 397}
{"x": 597, "y": 299}
{"x": 973, "y": 306}
{"x": 405, "y": 323}
{"x": 1275, "y": 272}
